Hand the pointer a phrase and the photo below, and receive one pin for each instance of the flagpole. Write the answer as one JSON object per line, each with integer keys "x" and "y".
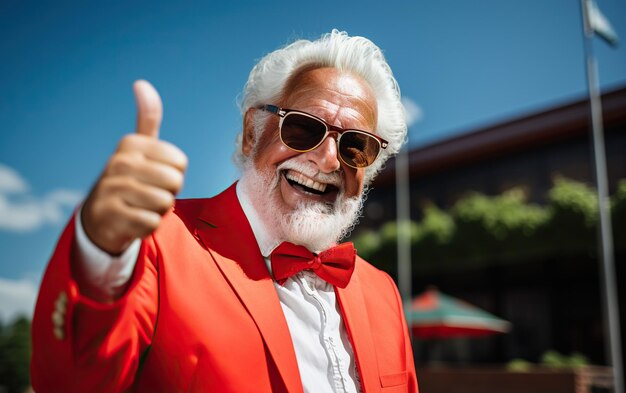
{"x": 610, "y": 303}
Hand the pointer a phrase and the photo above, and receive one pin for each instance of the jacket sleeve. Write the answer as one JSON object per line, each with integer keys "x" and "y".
{"x": 81, "y": 345}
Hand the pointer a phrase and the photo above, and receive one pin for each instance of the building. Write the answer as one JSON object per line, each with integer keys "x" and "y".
{"x": 553, "y": 302}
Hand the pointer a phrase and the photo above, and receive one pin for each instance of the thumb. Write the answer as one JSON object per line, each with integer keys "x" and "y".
{"x": 149, "y": 109}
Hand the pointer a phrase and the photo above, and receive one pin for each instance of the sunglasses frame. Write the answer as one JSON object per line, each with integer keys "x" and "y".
{"x": 283, "y": 112}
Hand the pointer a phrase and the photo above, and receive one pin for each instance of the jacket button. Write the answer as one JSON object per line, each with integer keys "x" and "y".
{"x": 58, "y": 333}
{"x": 58, "y": 316}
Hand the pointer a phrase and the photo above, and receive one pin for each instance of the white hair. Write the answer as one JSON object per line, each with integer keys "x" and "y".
{"x": 336, "y": 49}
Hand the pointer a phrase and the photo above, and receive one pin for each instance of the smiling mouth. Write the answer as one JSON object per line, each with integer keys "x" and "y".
{"x": 308, "y": 185}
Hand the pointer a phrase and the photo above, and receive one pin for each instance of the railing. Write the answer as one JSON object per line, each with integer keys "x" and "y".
{"x": 589, "y": 379}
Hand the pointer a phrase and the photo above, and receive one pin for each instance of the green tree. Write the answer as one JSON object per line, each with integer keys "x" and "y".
{"x": 15, "y": 352}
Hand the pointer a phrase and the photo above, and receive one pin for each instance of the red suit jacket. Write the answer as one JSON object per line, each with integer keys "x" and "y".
{"x": 201, "y": 314}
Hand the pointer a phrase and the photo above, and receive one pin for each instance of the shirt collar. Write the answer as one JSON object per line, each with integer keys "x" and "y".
{"x": 263, "y": 237}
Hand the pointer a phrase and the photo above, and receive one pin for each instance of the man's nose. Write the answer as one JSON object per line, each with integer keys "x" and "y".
{"x": 325, "y": 156}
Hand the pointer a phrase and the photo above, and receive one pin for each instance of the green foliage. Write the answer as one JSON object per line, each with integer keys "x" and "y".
{"x": 382, "y": 246}
{"x": 618, "y": 212}
{"x": 501, "y": 216}
{"x": 480, "y": 229}
{"x": 574, "y": 216}
{"x": 577, "y": 360}
{"x": 367, "y": 242}
{"x": 437, "y": 226}
{"x": 554, "y": 359}
{"x": 388, "y": 232}
{"x": 433, "y": 233}
{"x": 15, "y": 356}
{"x": 576, "y": 201}
{"x": 550, "y": 359}
{"x": 519, "y": 365}
{"x": 503, "y": 224}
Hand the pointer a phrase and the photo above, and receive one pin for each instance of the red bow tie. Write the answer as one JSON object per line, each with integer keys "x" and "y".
{"x": 334, "y": 265}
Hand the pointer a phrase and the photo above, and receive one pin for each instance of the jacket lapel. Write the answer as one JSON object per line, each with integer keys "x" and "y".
{"x": 357, "y": 323}
{"x": 226, "y": 233}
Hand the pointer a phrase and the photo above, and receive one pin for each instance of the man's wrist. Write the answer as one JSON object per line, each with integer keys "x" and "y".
{"x": 104, "y": 274}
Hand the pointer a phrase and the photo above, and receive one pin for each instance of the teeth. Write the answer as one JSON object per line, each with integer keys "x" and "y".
{"x": 305, "y": 181}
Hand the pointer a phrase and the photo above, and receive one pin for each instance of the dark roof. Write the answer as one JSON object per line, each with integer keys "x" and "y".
{"x": 550, "y": 126}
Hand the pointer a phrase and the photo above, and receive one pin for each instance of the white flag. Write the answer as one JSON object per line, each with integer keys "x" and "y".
{"x": 599, "y": 24}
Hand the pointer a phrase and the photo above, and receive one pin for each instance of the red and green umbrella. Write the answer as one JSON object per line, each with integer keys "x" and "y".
{"x": 436, "y": 315}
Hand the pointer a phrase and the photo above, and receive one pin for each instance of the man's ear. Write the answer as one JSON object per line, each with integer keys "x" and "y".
{"x": 248, "y": 140}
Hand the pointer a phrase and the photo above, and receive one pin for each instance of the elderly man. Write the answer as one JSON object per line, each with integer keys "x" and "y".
{"x": 247, "y": 291}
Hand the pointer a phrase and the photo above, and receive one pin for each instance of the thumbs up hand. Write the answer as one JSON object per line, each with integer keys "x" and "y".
{"x": 138, "y": 184}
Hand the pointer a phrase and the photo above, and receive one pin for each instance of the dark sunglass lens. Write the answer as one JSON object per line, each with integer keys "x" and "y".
{"x": 357, "y": 149}
{"x": 301, "y": 132}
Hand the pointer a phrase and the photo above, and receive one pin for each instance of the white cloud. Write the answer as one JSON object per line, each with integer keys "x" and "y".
{"x": 412, "y": 111}
{"x": 17, "y": 298}
{"x": 11, "y": 181}
{"x": 22, "y": 212}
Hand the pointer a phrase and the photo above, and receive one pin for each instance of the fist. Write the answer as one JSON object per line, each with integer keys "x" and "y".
{"x": 138, "y": 184}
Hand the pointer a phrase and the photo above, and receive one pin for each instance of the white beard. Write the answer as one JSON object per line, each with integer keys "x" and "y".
{"x": 315, "y": 225}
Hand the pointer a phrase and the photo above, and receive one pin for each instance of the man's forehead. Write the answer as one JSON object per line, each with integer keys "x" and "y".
{"x": 331, "y": 84}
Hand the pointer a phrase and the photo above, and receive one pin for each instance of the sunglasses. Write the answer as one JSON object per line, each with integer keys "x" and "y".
{"x": 302, "y": 132}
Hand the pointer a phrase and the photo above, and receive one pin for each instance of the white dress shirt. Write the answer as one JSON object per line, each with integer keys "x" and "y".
{"x": 322, "y": 346}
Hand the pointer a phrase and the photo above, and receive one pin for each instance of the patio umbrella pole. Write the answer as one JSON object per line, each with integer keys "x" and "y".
{"x": 610, "y": 304}
{"x": 403, "y": 224}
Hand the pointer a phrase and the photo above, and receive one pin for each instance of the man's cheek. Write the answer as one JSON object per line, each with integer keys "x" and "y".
{"x": 357, "y": 183}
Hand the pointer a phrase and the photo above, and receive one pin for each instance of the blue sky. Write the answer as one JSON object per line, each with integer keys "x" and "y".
{"x": 67, "y": 67}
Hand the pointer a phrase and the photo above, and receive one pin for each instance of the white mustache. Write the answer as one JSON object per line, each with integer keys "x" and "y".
{"x": 309, "y": 170}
